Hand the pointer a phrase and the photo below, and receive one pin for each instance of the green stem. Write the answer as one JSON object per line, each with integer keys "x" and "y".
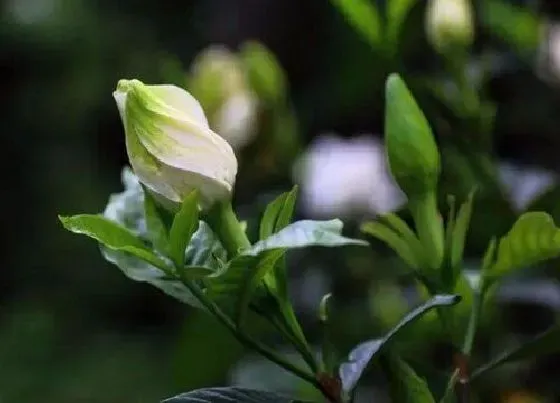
{"x": 223, "y": 221}
{"x": 249, "y": 342}
{"x": 429, "y": 226}
{"x": 474, "y": 318}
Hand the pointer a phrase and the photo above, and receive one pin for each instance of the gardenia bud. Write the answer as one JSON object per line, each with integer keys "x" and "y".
{"x": 449, "y": 24}
{"x": 219, "y": 80}
{"x": 170, "y": 146}
{"x": 411, "y": 149}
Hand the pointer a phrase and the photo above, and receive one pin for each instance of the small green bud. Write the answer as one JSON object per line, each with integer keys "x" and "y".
{"x": 411, "y": 149}
{"x": 449, "y": 25}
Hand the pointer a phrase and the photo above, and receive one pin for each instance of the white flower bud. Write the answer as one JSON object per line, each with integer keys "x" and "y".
{"x": 449, "y": 24}
{"x": 219, "y": 80}
{"x": 170, "y": 146}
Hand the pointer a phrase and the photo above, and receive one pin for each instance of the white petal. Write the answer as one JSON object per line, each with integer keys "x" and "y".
{"x": 182, "y": 101}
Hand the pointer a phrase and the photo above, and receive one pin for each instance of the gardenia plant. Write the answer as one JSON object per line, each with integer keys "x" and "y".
{"x": 174, "y": 227}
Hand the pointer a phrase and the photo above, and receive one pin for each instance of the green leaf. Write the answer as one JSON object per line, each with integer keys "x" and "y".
{"x": 278, "y": 213}
{"x": 240, "y": 279}
{"x": 246, "y": 271}
{"x": 532, "y": 239}
{"x": 518, "y": 26}
{"x": 390, "y": 237}
{"x": 138, "y": 270}
{"x": 228, "y": 395}
{"x": 111, "y": 235}
{"x": 157, "y": 229}
{"x": 122, "y": 248}
{"x": 205, "y": 249}
{"x": 405, "y": 384}
{"x": 265, "y": 74}
{"x": 303, "y": 234}
{"x": 397, "y": 11}
{"x": 184, "y": 226}
{"x": 460, "y": 229}
{"x": 364, "y": 17}
{"x": 456, "y": 233}
{"x": 544, "y": 344}
{"x": 412, "y": 152}
{"x": 359, "y": 358}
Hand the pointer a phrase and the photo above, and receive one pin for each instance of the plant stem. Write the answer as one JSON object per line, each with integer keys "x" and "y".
{"x": 429, "y": 226}
{"x": 249, "y": 342}
{"x": 474, "y": 318}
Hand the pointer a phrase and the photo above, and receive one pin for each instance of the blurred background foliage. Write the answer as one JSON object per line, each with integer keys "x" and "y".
{"x": 74, "y": 329}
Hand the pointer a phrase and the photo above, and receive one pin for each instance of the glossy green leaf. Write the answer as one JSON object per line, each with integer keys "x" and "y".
{"x": 544, "y": 344}
{"x": 246, "y": 271}
{"x": 240, "y": 279}
{"x": 122, "y": 248}
{"x": 404, "y": 383}
{"x": 364, "y": 17}
{"x": 112, "y": 236}
{"x": 205, "y": 249}
{"x": 518, "y": 26}
{"x": 157, "y": 230}
{"x": 229, "y": 395}
{"x": 184, "y": 226}
{"x": 303, "y": 234}
{"x": 359, "y": 358}
{"x": 278, "y": 214}
{"x": 392, "y": 238}
{"x": 532, "y": 239}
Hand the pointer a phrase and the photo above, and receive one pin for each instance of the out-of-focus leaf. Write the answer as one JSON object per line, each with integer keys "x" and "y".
{"x": 405, "y": 384}
{"x": 390, "y": 237}
{"x": 397, "y": 11}
{"x": 532, "y": 239}
{"x": 359, "y": 358}
{"x": 517, "y": 26}
{"x": 228, "y": 395}
{"x": 265, "y": 74}
{"x": 364, "y": 17}
{"x": 543, "y": 344}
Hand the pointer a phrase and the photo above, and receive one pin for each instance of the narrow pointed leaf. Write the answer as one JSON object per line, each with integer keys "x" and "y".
{"x": 405, "y": 384}
{"x": 229, "y": 395}
{"x": 184, "y": 226}
{"x": 364, "y": 17}
{"x": 397, "y": 11}
{"x": 157, "y": 230}
{"x": 544, "y": 344}
{"x": 111, "y": 235}
{"x": 359, "y": 358}
{"x": 392, "y": 239}
{"x": 459, "y": 233}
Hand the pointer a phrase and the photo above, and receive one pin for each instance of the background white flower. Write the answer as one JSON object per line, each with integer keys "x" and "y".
{"x": 341, "y": 177}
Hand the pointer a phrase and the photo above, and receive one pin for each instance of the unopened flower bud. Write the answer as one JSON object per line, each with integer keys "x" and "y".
{"x": 449, "y": 24}
{"x": 170, "y": 146}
